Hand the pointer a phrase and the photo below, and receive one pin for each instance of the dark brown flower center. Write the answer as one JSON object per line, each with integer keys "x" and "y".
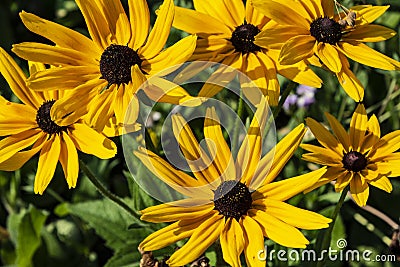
{"x": 232, "y": 199}
{"x": 354, "y": 161}
{"x": 326, "y": 30}
{"x": 116, "y": 62}
{"x": 44, "y": 120}
{"x": 243, "y": 38}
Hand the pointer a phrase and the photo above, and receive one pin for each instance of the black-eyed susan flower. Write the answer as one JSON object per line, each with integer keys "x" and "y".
{"x": 107, "y": 69}
{"x": 226, "y": 31}
{"x": 235, "y": 201}
{"x": 359, "y": 158}
{"x": 312, "y": 28}
{"x": 27, "y": 128}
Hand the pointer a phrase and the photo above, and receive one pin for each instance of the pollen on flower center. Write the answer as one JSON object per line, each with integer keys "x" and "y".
{"x": 232, "y": 199}
{"x": 326, "y": 30}
{"x": 243, "y": 38}
{"x": 116, "y": 62}
{"x": 44, "y": 120}
{"x": 354, "y": 161}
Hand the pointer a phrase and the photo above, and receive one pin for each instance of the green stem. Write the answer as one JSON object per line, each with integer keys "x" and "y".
{"x": 105, "y": 192}
{"x": 284, "y": 95}
{"x": 328, "y": 233}
{"x": 240, "y": 111}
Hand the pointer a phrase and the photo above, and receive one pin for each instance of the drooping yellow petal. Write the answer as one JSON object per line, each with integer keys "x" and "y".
{"x": 170, "y": 234}
{"x": 169, "y": 212}
{"x": 365, "y": 55}
{"x": 254, "y": 242}
{"x": 290, "y": 214}
{"x": 351, "y": 85}
{"x": 160, "y": 32}
{"x": 91, "y": 142}
{"x": 101, "y": 107}
{"x": 279, "y": 156}
{"x": 69, "y": 160}
{"x": 217, "y": 145}
{"x": 339, "y": 131}
{"x": 48, "y": 159}
{"x": 329, "y": 56}
{"x": 17, "y": 142}
{"x": 201, "y": 239}
{"x": 279, "y": 231}
{"x": 232, "y": 242}
{"x": 296, "y": 49}
{"x": 16, "y": 161}
{"x": 358, "y": 125}
{"x": 15, "y": 78}
{"x": 288, "y": 188}
{"x": 195, "y": 22}
{"x": 382, "y": 183}
{"x": 343, "y": 180}
{"x": 359, "y": 190}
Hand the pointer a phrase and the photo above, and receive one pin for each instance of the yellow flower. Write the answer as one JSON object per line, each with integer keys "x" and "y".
{"x": 106, "y": 70}
{"x": 235, "y": 201}
{"x": 359, "y": 158}
{"x": 312, "y": 28}
{"x": 28, "y": 129}
{"x": 227, "y": 30}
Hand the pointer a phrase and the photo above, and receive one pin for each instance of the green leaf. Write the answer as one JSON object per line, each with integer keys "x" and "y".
{"x": 125, "y": 257}
{"x": 25, "y": 229}
{"x": 110, "y": 222}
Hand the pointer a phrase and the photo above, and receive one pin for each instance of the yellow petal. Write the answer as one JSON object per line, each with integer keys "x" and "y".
{"x": 296, "y": 49}
{"x": 351, "y": 85}
{"x": 178, "y": 180}
{"x": 382, "y": 183}
{"x": 201, "y": 239}
{"x": 160, "y": 32}
{"x": 288, "y": 188}
{"x": 69, "y": 160}
{"x": 276, "y": 36}
{"x": 139, "y": 17}
{"x": 15, "y": 78}
{"x": 328, "y": 8}
{"x": 60, "y": 35}
{"x": 48, "y": 159}
{"x": 279, "y": 231}
{"x": 217, "y": 145}
{"x": 254, "y": 16}
{"x": 373, "y": 134}
{"x": 274, "y": 161}
{"x": 17, "y": 142}
{"x": 389, "y": 143}
{"x": 329, "y": 56}
{"x": 199, "y": 23}
{"x": 290, "y": 215}
{"x": 367, "y": 14}
{"x": 235, "y": 9}
{"x": 331, "y": 156}
{"x": 232, "y": 242}
{"x": 339, "y": 131}
{"x": 170, "y": 234}
{"x": 219, "y": 9}
{"x": 116, "y": 17}
{"x": 323, "y": 136}
{"x": 91, "y": 142}
{"x": 332, "y": 173}
{"x": 101, "y": 107}
{"x": 180, "y": 52}
{"x": 359, "y": 190}
{"x": 281, "y": 12}
{"x": 365, "y": 55}
{"x": 370, "y": 33}
{"x": 96, "y": 23}
{"x": 358, "y": 125}
{"x": 169, "y": 213}
{"x": 126, "y": 106}
{"x": 16, "y": 161}
{"x": 343, "y": 180}
{"x": 254, "y": 242}
{"x": 212, "y": 49}
{"x": 16, "y": 118}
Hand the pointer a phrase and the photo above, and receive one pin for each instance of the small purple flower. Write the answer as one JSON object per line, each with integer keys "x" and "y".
{"x": 304, "y": 97}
